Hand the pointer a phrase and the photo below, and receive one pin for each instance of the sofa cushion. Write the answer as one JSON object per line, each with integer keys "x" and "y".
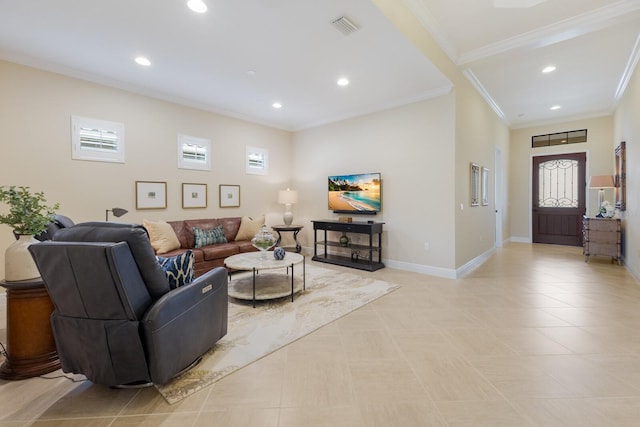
{"x": 178, "y": 269}
{"x": 202, "y": 224}
{"x": 198, "y": 256}
{"x": 231, "y": 226}
{"x": 249, "y": 227}
{"x": 183, "y": 234}
{"x": 219, "y": 251}
{"x": 246, "y": 246}
{"x": 162, "y": 236}
{"x": 208, "y": 237}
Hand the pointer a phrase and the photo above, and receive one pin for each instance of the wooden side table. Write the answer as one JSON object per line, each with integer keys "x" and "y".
{"x": 293, "y": 228}
{"x": 602, "y": 236}
{"x": 31, "y": 349}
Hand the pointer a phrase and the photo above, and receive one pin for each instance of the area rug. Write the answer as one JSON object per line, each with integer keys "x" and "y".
{"x": 256, "y": 332}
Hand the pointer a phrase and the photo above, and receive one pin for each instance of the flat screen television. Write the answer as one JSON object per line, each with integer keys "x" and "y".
{"x": 355, "y": 194}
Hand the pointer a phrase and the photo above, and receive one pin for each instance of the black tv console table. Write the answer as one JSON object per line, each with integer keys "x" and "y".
{"x": 360, "y": 256}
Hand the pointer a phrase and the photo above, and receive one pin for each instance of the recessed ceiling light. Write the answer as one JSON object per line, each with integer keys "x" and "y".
{"x": 343, "y": 81}
{"x": 144, "y": 61}
{"x": 556, "y": 107}
{"x": 549, "y": 69}
{"x": 276, "y": 105}
{"x": 197, "y": 6}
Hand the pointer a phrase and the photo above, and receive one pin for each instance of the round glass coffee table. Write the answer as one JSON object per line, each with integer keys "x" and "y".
{"x": 270, "y": 285}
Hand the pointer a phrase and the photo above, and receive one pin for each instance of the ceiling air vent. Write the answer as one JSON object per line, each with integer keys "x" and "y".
{"x": 344, "y": 25}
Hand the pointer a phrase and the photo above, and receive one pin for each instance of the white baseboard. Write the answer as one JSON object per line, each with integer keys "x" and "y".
{"x": 474, "y": 263}
{"x": 421, "y": 268}
{"x": 446, "y": 273}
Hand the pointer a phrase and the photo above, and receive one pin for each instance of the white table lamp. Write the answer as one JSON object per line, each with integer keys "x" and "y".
{"x": 601, "y": 182}
{"x": 287, "y": 198}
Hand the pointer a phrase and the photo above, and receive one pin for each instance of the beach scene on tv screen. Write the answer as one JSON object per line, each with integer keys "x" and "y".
{"x": 357, "y": 193}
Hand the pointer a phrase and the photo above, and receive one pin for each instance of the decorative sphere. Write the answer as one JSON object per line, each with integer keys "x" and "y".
{"x": 279, "y": 253}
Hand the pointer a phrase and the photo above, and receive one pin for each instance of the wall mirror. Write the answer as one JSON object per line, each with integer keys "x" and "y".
{"x": 620, "y": 177}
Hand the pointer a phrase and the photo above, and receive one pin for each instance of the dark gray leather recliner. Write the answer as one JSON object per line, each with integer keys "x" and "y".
{"x": 59, "y": 221}
{"x": 115, "y": 320}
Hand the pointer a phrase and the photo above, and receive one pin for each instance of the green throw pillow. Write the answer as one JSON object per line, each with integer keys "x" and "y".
{"x": 209, "y": 237}
{"x": 178, "y": 269}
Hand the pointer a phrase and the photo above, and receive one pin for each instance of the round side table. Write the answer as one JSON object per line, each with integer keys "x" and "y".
{"x": 284, "y": 228}
{"x": 31, "y": 349}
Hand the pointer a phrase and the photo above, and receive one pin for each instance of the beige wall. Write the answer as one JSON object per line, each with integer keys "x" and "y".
{"x": 35, "y": 111}
{"x": 412, "y": 148}
{"x": 599, "y": 162}
{"x": 627, "y": 128}
{"x": 478, "y": 131}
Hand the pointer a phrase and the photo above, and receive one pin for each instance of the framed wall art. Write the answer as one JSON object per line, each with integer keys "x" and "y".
{"x": 485, "y": 186}
{"x": 151, "y": 195}
{"x": 194, "y": 195}
{"x": 229, "y": 196}
{"x": 620, "y": 177}
{"x": 475, "y": 184}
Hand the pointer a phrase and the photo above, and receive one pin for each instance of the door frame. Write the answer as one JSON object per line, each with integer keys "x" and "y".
{"x": 499, "y": 196}
{"x": 565, "y": 150}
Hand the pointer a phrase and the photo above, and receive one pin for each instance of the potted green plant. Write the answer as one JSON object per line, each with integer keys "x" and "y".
{"x": 28, "y": 216}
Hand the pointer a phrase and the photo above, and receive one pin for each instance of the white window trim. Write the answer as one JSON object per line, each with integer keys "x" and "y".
{"x": 194, "y": 164}
{"x": 78, "y": 152}
{"x": 252, "y": 169}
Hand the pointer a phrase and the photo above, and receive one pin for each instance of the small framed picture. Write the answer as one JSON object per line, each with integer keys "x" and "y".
{"x": 485, "y": 186}
{"x": 151, "y": 195}
{"x": 194, "y": 195}
{"x": 229, "y": 196}
{"x": 475, "y": 184}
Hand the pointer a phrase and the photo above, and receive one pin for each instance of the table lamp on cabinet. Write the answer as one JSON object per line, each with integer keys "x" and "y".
{"x": 601, "y": 182}
{"x": 287, "y": 198}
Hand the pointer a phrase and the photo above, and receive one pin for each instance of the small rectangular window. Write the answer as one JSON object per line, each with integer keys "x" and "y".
{"x": 257, "y": 161}
{"x": 97, "y": 140}
{"x": 194, "y": 153}
{"x": 560, "y": 138}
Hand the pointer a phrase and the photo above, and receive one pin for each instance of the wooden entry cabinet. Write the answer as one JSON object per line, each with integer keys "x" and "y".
{"x": 602, "y": 236}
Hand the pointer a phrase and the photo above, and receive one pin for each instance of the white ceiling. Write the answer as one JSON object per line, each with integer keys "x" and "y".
{"x": 243, "y": 55}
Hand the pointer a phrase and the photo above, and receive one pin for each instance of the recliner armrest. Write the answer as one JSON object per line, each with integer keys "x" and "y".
{"x": 184, "y": 323}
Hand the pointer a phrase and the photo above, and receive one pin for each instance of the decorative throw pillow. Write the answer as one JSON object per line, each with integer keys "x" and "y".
{"x": 209, "y": 237}
{"x": 179, "y": 269}
{"x": 163, "y": 238}
{"x": 249, "y": 227}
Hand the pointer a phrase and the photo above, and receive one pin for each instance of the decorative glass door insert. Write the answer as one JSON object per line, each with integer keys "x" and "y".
{"x": 558, "y": 184}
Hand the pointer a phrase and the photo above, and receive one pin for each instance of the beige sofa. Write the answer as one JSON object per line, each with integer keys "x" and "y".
{"x": 238, "y": 231}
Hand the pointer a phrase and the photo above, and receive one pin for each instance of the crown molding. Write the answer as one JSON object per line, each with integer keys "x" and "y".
{"x": 564, "y": 30}
{"x": 628, "y": 71}
{"x": 434, "y": 93}
{"x": 425, "y": 17}
{"x": 485, "y": 94}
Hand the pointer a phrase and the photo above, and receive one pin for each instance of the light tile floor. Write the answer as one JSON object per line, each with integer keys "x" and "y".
{"x": 534, "y": 337}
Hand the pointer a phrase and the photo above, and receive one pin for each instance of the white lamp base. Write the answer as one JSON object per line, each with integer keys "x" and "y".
{"x": 288, "y": 215}
{"x": 600, "y": 198}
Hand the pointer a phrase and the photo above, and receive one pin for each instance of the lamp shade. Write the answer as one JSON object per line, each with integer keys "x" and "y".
{"x": 117, "y": 212}
{"x": 287, "y": 197}
{"x": 601, "y": 181}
